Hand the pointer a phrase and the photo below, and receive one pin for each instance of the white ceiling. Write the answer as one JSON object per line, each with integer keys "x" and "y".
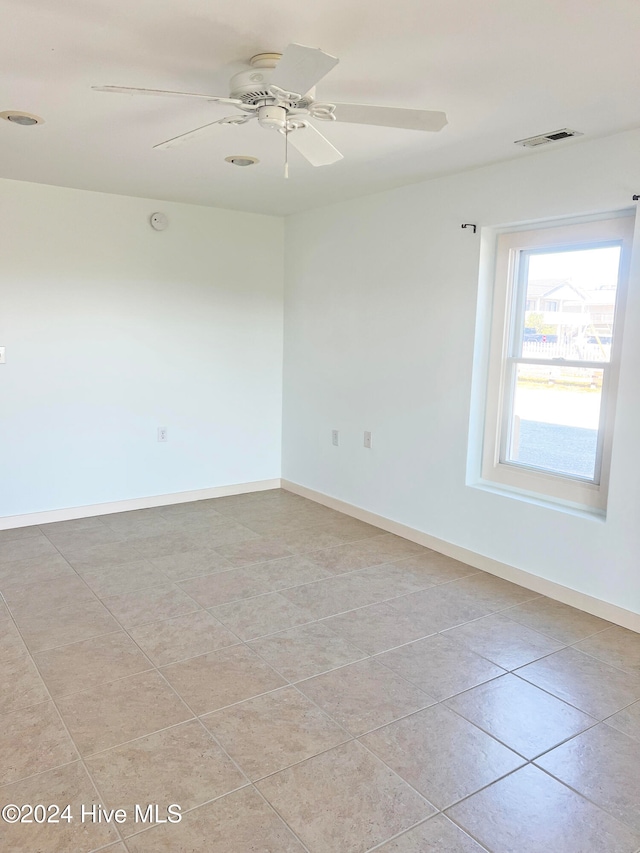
{"x": 501, "y": 69}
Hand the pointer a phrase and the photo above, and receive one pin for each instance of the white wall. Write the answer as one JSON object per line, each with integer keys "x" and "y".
{"x": 112, "y": 330}
{"x": 380, "y": 319}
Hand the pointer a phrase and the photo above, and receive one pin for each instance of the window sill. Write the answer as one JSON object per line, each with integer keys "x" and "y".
{"x": 557, "y": 504}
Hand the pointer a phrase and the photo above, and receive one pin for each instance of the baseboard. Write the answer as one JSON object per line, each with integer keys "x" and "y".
{"x": 9, "y": 522}
{"x": 573, "y": 597}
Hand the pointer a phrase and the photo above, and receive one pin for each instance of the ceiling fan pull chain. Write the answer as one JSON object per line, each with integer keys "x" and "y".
{"x": 286, "y": 152}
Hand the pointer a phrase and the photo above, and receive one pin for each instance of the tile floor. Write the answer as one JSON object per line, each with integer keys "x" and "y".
{"x": 297, "y": 680}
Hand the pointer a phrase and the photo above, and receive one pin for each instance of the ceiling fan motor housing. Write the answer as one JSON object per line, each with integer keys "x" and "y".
{"x": 253, "y": 87}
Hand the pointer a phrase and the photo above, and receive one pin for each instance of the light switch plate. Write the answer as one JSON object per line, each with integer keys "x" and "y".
{"x": 2, "y": 358}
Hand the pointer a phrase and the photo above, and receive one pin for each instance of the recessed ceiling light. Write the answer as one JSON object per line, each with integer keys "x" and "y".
{"x": 19, "y": 117}
{"x": 241, "y": 160}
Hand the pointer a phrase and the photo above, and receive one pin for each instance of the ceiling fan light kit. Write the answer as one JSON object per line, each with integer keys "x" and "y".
{"x": 279, "y": 91}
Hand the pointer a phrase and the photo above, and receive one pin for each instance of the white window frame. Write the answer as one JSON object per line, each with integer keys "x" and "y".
{"x": 508, "y": 290}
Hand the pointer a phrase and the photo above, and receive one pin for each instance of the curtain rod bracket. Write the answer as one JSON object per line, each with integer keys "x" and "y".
{"x": 470, "y": 225}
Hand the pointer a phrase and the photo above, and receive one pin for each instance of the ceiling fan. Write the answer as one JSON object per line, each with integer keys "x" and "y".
{"x": 279, "y": 91}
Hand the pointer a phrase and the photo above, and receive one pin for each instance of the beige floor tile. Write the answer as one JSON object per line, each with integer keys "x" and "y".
{"x": 103, "y": 556}
{"x": 373, "y": 551}
{"x": 341, "y": 594}
{"x": 150, "y": 605}
{"x": 79, "y": 621}
{"x": 64, "y": 785}
{"x": 589, "y": 684}
{"x": 11, "y": 646}
{"x": 75, "y": 540}
{"x": 616, "y": 646}
{"x": 120, "y": 711}
{"x": 329, "y": 596}
{"x": 74, "y": 525}
{"x": 345, "y": 526}
{"x": 20, "y": 572}
{"x": 277, "y": 525}
{"x": 20, "y": 683}
{"x": 231, "y": 534}
{"x": 627, "y": 720}
{"x": 27, "y": 548}
{"x": 198, "y": 509}
{"x": 182, "y": 637}
{"x": 364, "y": 695}
{"x": 306, "y": 539}
{"x": 436, "y": 835}
{"x": 33, "y": 740}
{"x": 419, "y": 572}
{"x": 305, "y": 651}
{"x": 346, "y": 558}
{"x": 205, "y": 523}
{"x": 344, "y": 800}
{"x": 492, "y": 592}
{"x": 191, "y": 564}
{"x": 221, "y": 678}
{"x": 253, "y": 551}
{"x": 604, "y": 766}
{"x": 138, "y": 527}
{"x": 526, "y": 719}
{"x": 223, "y": 587}
{"x": 19, "y": 533}
{"x": 438, "y": 608}
{"x": 557, "y": 620}
{"x": 441, "y": 755}
{"x": 440, "y": 666}
{"x": 376, "y": 628}
{"x": 271, "y": 732}
{"x": 439, "y": 567}
{"x": 128, "y": 577}
{"x": 47, "y": 596}
{"x": 503, "y": 641}
{"x": 263, "y": 614}
{"x": 181, "y": 765}
{"x": 289, "y": 571}
{"x": 163, "y": 544}
{"x": 239, "y": 823}
{"x": 268, "y": 564}
{"x": 135, "y": 516}
{"x": 81, "y": 666}
{"x": 529, "y": 812}
{"x": 395, "y": 579}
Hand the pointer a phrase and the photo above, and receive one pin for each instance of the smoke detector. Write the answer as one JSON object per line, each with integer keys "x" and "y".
{"x": 19, "y": 117}
{"x": 545, "y": 138}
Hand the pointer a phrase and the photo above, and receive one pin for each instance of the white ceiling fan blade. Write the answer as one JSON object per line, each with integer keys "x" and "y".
{"x": 201, "y": 131}
{"x": 430, "y": 120}
{"x": 314, "y": 146}
{"x": 300, "y": 68}
{"x": 130, "y": 90}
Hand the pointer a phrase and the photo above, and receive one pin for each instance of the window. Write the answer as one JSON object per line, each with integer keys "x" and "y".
{"x": 553, "y": 370}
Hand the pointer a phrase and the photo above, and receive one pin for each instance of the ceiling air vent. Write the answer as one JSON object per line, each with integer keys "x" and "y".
{"x": 554, "y": 136}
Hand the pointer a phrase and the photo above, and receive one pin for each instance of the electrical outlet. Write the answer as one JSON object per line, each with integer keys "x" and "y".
{"x": 335, "y": 437}
{"x": 163, "y": 434}
{"x": 367, "y": 439}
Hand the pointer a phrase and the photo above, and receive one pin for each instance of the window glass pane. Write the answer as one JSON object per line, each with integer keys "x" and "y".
{"x": 555, "y": 417}
{"x": 569, "y": 304}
